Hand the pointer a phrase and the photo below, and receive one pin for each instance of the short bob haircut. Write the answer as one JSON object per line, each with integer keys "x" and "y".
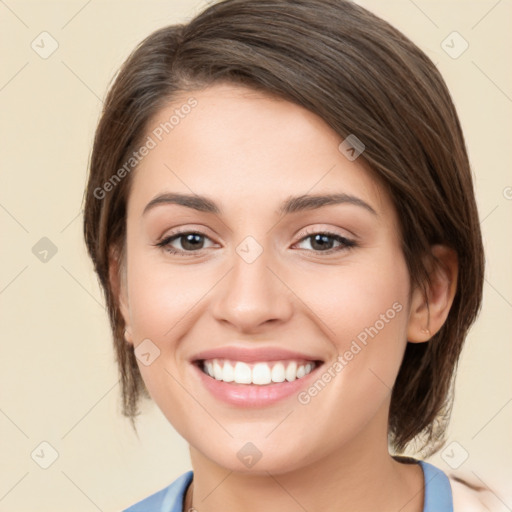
{"x": 362, "y": 77}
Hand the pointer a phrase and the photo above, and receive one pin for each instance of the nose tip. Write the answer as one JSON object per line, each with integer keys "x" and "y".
{"x": 252, "y": 294}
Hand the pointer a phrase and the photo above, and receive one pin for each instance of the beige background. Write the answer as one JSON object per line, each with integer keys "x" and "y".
{"x": 58, "y": 379}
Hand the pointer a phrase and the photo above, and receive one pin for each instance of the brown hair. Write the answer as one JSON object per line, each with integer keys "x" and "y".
{"x": 363, "y": 77}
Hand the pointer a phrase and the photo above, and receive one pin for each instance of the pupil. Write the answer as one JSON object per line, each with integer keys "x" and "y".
{"x": 190, "y": 238}
{"x": 321, "y": 240}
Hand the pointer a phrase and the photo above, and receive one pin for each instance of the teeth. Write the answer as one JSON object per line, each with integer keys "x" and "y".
{"x": 278, "y": 373}
{"x": 261, "y": 374}
{"x": 291, "y": 372}
{"x": 228, "y": 373}
{"x": 258, "y": 373}
{"x": 217, "y": 370}
{"x": 242, "y": 373}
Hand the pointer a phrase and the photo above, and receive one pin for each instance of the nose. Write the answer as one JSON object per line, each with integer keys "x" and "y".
{"x": 253, "y": 295}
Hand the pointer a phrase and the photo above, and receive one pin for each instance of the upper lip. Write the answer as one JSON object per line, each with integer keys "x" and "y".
{"x": 252, "y": 354}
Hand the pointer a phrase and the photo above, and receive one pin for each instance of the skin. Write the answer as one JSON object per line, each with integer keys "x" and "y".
{"x": 249, "y": 151}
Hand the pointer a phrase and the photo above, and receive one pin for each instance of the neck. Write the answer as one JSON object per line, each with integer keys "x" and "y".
{"x": 188, "y": 506}
{"x": 349, "y": 478}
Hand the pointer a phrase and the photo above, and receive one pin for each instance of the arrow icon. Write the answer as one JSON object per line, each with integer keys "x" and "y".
{"x": 249, "y": 249}
{"x": 146, "y": 352}
{"x": 44, "y": 455}
{"x": 454, "y": 45}
{"x": 44, "y": 250}
{"x": 44, "y": 44}
{"x": 351, "y": 147}
{"x": 249, "y": 455}
{"x": 454, "y": 455}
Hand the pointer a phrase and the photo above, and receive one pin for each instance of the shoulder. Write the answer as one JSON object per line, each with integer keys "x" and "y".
{"x": 468, "y": 492}
{"x": 471, "y": 495}
{"x": 168, "y": 499}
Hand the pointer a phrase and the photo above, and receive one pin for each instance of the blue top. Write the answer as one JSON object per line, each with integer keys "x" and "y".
{"x": 438, "y": 493}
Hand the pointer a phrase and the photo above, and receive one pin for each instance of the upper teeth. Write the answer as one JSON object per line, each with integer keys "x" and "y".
{"x": 257, "y": 373}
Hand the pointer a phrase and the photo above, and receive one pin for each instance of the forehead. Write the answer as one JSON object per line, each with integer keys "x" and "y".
{"x": 230, "y": 141}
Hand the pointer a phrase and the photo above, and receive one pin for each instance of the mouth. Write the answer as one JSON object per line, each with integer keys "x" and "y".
{"x": 254, "y": 377}
{"x": 258, "y": 373}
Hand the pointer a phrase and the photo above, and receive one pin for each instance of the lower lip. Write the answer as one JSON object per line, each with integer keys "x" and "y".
{"x": 253, "y": 395}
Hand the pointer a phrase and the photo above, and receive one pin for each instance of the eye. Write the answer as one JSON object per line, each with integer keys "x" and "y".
{"x": 193, "y": 242}
{"x": 323, "y": 241}
{"x": 190, "y": 241}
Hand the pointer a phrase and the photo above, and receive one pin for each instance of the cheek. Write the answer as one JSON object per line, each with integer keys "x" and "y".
{"x": 357, "y": 296}
{"x": 160, "y": 295}
{"x": 364, "y": 315}
{"x": 363, "y": 310}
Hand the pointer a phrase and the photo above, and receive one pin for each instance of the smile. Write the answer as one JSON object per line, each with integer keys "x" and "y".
{"x": 258, "y": 373}
{"x": 258, "y": 376}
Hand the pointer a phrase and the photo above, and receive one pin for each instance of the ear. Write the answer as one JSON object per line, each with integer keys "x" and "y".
{"x": 428, "y": 314}
{"x": 117, "y": 278}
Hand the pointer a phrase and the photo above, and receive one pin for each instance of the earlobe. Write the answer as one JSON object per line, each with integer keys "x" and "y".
{"x": 428, "y": 313}
{"x": 118, "y": 285}
{"x": 128, "y": 336}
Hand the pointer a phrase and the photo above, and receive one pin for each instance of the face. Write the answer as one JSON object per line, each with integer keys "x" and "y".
{"x": 297, "y": 307}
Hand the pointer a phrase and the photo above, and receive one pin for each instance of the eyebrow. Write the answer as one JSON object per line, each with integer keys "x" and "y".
{"x": 292, "y": 204}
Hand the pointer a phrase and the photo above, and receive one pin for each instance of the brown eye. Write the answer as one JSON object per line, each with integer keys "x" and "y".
{"x": 324, "y": 241}
{"x": 190, "y": 242}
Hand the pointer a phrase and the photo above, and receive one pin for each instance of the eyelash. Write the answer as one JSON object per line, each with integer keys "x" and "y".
{"x": 347, "y": 243}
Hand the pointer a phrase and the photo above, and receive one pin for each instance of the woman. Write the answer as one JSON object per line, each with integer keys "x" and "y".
{"x": 280, "y": 210}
